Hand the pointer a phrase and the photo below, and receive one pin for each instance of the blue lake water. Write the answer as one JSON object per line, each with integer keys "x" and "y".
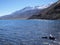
{"x": 29, "y": 32}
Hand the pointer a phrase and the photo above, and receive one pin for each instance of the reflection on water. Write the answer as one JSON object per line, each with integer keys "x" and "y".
{"x": 29, "y": 32}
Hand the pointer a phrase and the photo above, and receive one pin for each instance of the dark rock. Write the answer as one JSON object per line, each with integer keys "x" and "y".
{"x": 45, "y": 37}
{"x": 52, "y": 38}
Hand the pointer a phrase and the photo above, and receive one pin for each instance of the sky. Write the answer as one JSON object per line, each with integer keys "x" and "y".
{"x": 9, "y": 6}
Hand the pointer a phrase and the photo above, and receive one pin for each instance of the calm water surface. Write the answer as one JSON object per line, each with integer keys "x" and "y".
{"x": 29, "y": 32}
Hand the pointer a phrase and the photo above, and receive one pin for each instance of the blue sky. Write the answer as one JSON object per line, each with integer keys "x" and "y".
{"x": 9, "y": 6}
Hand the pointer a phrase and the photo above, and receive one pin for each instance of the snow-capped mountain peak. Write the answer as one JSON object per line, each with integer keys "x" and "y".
{"x": 41, "y": 7}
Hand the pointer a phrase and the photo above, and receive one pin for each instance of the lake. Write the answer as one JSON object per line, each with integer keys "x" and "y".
{"x": 29, "y": 32}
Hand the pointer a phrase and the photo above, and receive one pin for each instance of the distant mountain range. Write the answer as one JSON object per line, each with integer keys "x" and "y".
{"x": 51, "y": 12}
{"x": 24, "y": 13}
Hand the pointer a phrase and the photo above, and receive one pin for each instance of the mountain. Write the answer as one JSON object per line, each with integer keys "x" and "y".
{"x": 52, "y": 12}
{"x": 24, "y": 13}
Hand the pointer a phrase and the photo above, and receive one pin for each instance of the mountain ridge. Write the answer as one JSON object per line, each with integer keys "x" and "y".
{"x": 50, "y": 13}
{"x": 24, "y": 13}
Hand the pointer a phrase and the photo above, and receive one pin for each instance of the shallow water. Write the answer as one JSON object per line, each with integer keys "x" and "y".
{"x": 29, "y": 32}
